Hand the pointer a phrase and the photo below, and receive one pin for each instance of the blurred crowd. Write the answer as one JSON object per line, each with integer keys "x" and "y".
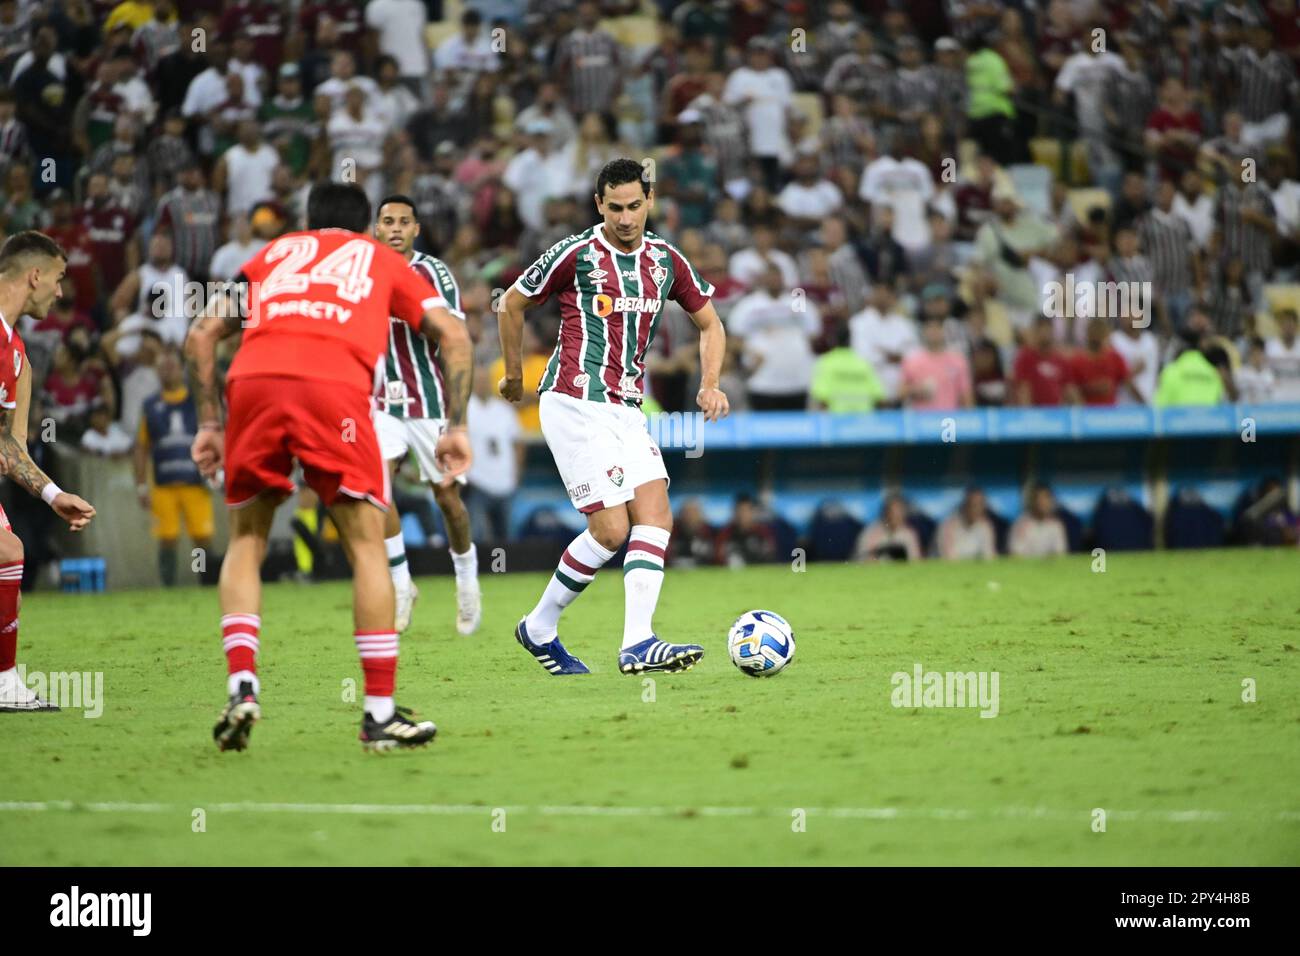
{"x": 888, "y": 196}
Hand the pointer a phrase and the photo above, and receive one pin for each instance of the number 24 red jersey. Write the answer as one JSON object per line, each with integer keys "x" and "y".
{"x": 319, "y": 304}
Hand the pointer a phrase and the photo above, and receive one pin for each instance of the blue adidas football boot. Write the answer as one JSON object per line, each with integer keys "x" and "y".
{"x": 653, "y": 654}
{"x": 552, "y": 656}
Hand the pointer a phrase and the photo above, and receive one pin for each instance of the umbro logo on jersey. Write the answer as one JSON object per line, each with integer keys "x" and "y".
{"x": 597, "y": 274}
{"x": 603, "y": 305}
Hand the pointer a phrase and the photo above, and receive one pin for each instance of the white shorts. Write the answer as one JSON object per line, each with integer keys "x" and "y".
{"x": 603, "y": 451}
{"x": 419, "y": 436}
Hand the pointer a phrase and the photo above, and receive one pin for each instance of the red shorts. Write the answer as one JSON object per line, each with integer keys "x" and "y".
{"x": 326, "y": 427}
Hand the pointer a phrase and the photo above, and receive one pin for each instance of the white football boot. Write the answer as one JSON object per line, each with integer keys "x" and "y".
{"x": 406, "y": 598}
{"x": 469, "y": 606}
{"x": 16, "y": 698}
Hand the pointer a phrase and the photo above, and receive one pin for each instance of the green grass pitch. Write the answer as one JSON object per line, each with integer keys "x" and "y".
{"x": 1120, "y": 691}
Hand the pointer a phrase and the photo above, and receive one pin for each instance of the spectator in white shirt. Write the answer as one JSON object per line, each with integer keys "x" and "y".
{"x": 498, "y": 458}
{"x": 1195, "y": 207}
{"x": 243, "y": 245}
{"x": 244, "y": 171}
{"x": 748, "y": 264}
{"x": 765, "y": 92}
{"x": 468, "y": 51}
{"x": 356, "y": 137}
{"x": 103, "y": 436}
{"x": 1255, "y": 380}
{"x": 394, "y": 103}
{"x": 905, "y": 186}
{"x": 967, "y": 533}
{"x": 777, "y": 332}
{"x": 1284, "y": 358}
{"x": 343, "y": 76}
{"x": 809, "y": 197}
{"x": 1140, "y": 350}
{"x": 1039, "y": 533}
{"x": 399, "y": 26}
{"x": 883, "y": 336}
{"x": 536, "y": 174}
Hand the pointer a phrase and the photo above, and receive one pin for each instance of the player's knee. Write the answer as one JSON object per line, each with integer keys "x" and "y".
{"x": 447, "y": 497}
{"x": 611, "y": 531}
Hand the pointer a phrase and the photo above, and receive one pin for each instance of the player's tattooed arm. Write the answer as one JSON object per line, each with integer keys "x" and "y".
{"x": 456, "y": 353}
{"x": 18, "y": 464}
{"x": 220, "y": 320}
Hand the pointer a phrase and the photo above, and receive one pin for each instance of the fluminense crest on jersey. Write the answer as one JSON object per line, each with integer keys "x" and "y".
{"x": 413, "y": 386}
{"x": 610, "y": 307}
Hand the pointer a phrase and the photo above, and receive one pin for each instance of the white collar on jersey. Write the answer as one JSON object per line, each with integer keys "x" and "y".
{"x": 600, "y": 234}
{"x": 9, "y": 332}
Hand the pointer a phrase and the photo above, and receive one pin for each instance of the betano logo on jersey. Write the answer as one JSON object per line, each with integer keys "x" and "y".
{"x": 603, "y": 304}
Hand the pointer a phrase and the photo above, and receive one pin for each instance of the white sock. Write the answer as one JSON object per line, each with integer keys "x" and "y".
{"x": 578, "y": 566}
{"x": 397, "y": 566}
{"x": 380, "y": 708}
{"x": 466, "y": 565}
{"x": 643, "y": 576}
{"x": 238, "y": 677}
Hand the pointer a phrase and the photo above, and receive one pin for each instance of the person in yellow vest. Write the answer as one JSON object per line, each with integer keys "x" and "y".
{"x": 1191, "y": 379}
{"x": 169, "y": 423}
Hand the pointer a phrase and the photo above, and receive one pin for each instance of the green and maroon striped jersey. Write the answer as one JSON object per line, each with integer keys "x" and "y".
{"x": 610, "y": 302}
{"x": 412, "y": 376}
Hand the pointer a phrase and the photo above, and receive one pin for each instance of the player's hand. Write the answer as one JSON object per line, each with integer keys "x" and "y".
{"x": 452, "y": 454}
{"x": 511, "y": 389}
{"x": 76, "y": 511}
{"x": 208, "y": 450}
{"x": 713, "y": 402}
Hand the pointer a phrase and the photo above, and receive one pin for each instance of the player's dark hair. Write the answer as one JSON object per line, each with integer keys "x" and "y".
{"x": 617, "y": 172}
{"x": 22, "y": 245}
{"x": 338, "y": 206}
{"x": 401, "y": 199}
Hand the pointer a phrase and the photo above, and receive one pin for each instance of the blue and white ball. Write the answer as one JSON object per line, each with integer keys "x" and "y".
{"x": 761, "y": 643}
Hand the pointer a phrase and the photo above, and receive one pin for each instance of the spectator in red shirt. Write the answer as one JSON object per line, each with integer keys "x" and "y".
{"x": 73, "y": 385}
{"x": 1174, "y": 130}
{"x": 1098, "y": 369}
{"x": 349, "y": 21}
{"x": 1042, "y": 374}
{"x": 111, "y": 229}
{"x": 74, "y": 237}
{"x": 747, "y": 540}
{"x": 263, "y": 22}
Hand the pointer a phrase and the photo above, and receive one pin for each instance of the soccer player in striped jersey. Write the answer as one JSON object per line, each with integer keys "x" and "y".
{"x": 612, "y": 281}
{"x": 412, "y": 417}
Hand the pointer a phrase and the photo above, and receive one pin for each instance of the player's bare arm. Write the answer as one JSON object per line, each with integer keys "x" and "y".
{"x": 456, "y": 353}
{"x": 713, "y": 346}
{"x": 510, "y": 322}
{"x": 220, "y": 320}
{"x": 18, "y": 464}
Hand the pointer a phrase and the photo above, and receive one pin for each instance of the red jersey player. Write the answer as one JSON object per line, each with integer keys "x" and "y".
{"x": 301, "y": 388}
{"x": 31, "y": 266}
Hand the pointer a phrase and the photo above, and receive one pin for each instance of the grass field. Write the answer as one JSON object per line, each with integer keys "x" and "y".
{"x": 1120, "y": 691}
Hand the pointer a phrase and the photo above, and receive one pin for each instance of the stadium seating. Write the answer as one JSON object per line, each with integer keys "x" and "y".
{"x": 1191, "y": 523}
{"x": 1121, "y": 524}
{"x": 833, "y": 533}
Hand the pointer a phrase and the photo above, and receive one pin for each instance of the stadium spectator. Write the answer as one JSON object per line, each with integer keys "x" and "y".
{"x": 1255, "y": 379}
{"x": 746, "y": 539}
{"x": 988, "y": 381}
{"x": 152, "y": 296}
{"x": 1140, "y": 351}
{"x": 883, "y": 335}
{"x": 1173, "y": 130}
{"x": 991, "y": 110}
{"x": 1191, "y": 378}
{"x": 112, "y": 232}
{"x": 103, "y": 436}
{"x": 1038, "y": 532}
{"x": 1283, "y": 354}
{"x": 243, "y": 173}
{"x": 693, "y": 541}
{"x": 1176, "y": 268}
{"x": 748, "y": 265}
{"x": 498, "y": 459}
{"x": 765, "y": 92}
{"x": 399, "y": 30}
{"x": 777, "y": 331}
{"x": 1098, "y": 370}
{"x": 588, "y": 61}
{"x": 192, "y": 214}
{"x": 1195, "y": 207}
{"x": 967, "y": 533}
{"x": 935, "y": 377}
{"x": 74, "y": 383}
{"x": 889, "y": 537}
{"x": 1005, "y": 244}
{"x": 1042, "y": 373}
{"x": 843, "y": 382}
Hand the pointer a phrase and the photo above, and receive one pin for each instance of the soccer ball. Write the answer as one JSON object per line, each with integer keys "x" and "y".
{"x": 761, "y": 643}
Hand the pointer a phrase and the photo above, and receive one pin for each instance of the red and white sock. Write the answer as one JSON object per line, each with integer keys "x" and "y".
{"x": 240, "y": 642}
{"x": 643, "y": 576}
{"x": 378, "y": 652}
{"x": 578, "y": 566}
{"x": 11, "y": 580}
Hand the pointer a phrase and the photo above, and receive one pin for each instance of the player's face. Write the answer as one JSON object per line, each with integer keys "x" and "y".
{"x": 45, "y": 288}
{"x": 396, "y": 227}
{"x": 625, "y": 208}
